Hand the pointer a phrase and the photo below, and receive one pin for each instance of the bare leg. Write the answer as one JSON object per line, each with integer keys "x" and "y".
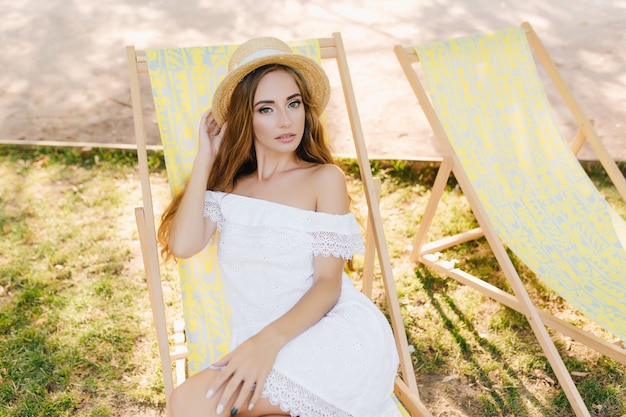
{"x": 189, "y": 400}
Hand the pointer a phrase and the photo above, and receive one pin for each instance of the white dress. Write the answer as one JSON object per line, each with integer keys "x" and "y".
{"x": 345, "y": 364}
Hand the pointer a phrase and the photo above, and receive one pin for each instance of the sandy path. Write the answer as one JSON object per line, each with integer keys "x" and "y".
{"x": 64, "y": 71}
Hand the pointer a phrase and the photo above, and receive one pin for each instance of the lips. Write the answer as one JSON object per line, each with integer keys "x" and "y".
{"x": 287, "y": 137}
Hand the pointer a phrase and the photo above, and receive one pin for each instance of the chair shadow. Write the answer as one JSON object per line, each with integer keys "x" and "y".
{"x": 503, "y": 399}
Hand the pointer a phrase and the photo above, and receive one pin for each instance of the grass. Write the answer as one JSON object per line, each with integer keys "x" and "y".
{"x": 76, "y": 335}
{"x": 72, "y": 338}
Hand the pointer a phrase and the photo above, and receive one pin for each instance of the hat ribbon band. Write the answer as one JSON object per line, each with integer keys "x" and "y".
{"x": 259, "y": 54}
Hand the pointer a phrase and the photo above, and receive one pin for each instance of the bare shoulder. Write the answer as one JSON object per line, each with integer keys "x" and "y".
{"x": 329, "y": 172}
{"x": 330, "y": 185}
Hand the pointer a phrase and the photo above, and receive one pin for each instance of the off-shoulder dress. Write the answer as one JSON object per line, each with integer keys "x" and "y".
{"x": 345, "y": 364}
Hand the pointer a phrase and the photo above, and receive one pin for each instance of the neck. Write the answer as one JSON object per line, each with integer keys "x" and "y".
{"x": 269, "y": 165}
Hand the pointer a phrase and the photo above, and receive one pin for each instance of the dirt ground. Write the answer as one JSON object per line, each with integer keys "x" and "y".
{"x": 64, "y": 71}
{"x": 64, "y": 74}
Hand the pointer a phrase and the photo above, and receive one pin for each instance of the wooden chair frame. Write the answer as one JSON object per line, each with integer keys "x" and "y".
{"x": 423, "y": 252}
{"x": 331, "y": 48}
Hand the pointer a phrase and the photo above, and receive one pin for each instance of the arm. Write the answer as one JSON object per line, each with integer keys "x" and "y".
{"x": 186, "y": 238}
{"x": 252, "y": 361}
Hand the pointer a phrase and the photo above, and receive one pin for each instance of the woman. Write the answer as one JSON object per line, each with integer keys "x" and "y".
{"x": 304, "y": 342}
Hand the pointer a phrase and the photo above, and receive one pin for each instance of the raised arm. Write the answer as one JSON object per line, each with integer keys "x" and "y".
{"x": 190, "y": 231}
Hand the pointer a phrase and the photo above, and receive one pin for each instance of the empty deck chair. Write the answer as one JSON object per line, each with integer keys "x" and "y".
{"x": 486, "y": 104}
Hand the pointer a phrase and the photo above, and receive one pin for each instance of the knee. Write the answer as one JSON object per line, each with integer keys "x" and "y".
{"x": 176, "y": 403}
{"x": 188, "y": 398}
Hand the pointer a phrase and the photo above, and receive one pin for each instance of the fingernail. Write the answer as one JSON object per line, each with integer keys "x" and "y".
{"x": 210, "y": 393}
{"x": 250, "y": 406}
{"x": 219, "y": 409}
{"x": 233, "y": 411}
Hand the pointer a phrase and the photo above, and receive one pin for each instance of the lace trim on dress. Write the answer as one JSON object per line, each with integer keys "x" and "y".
{"x": 339, "y": 245}
{"x": 212, "y": 210}
{"x": 298, "y": 401}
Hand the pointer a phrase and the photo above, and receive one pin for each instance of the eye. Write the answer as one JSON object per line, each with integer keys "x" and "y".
{"x": 265, "y": 110}
{"x": 294, "y": 104}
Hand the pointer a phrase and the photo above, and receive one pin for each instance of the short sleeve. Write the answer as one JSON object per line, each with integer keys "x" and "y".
{"x": 338, "y": 235}
{"x": 212, "y": 207}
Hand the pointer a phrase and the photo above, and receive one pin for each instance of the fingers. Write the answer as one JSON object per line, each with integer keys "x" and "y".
{"x": 244, "y": 396}
{"x": 210, "y": 133}
{"x": 227, "y": 384}
{"x": 243, "y": 373}
{"x": 234, "y": 390}
{"x": 210, "y": 124}
{"x": 256, "y": 391}
{"x": 237, "y": 391}
{"x": 221, "y": 377}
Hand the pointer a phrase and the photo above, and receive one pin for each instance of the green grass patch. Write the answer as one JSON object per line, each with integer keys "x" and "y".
{"x": 75, "y": 324}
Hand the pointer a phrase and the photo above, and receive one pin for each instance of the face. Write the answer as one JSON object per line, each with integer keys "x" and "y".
{"x": 278, "y": 113}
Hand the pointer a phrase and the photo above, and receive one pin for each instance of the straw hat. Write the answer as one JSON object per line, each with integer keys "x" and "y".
{"x": 257, "y": 52}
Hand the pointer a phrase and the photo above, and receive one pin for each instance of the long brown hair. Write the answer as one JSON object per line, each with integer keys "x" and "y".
{"x": 236, "y": 157}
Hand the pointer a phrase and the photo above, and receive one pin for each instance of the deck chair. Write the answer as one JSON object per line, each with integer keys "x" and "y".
{"x": 182, "y": 82}
{"x": 487, "y": 107}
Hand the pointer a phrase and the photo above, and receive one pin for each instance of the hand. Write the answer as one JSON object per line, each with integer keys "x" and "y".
{"x": 244, "y": 371}
{"x": 210, "y": 134}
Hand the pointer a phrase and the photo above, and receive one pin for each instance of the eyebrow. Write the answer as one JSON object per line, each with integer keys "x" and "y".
{"x": 272, "y": 101}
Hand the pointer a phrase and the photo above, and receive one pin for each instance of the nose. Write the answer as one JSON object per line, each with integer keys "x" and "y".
{"x": 284, "y": 119}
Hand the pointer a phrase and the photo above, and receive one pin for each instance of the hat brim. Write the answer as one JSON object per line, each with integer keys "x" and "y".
{"x": 313, "y": 74}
